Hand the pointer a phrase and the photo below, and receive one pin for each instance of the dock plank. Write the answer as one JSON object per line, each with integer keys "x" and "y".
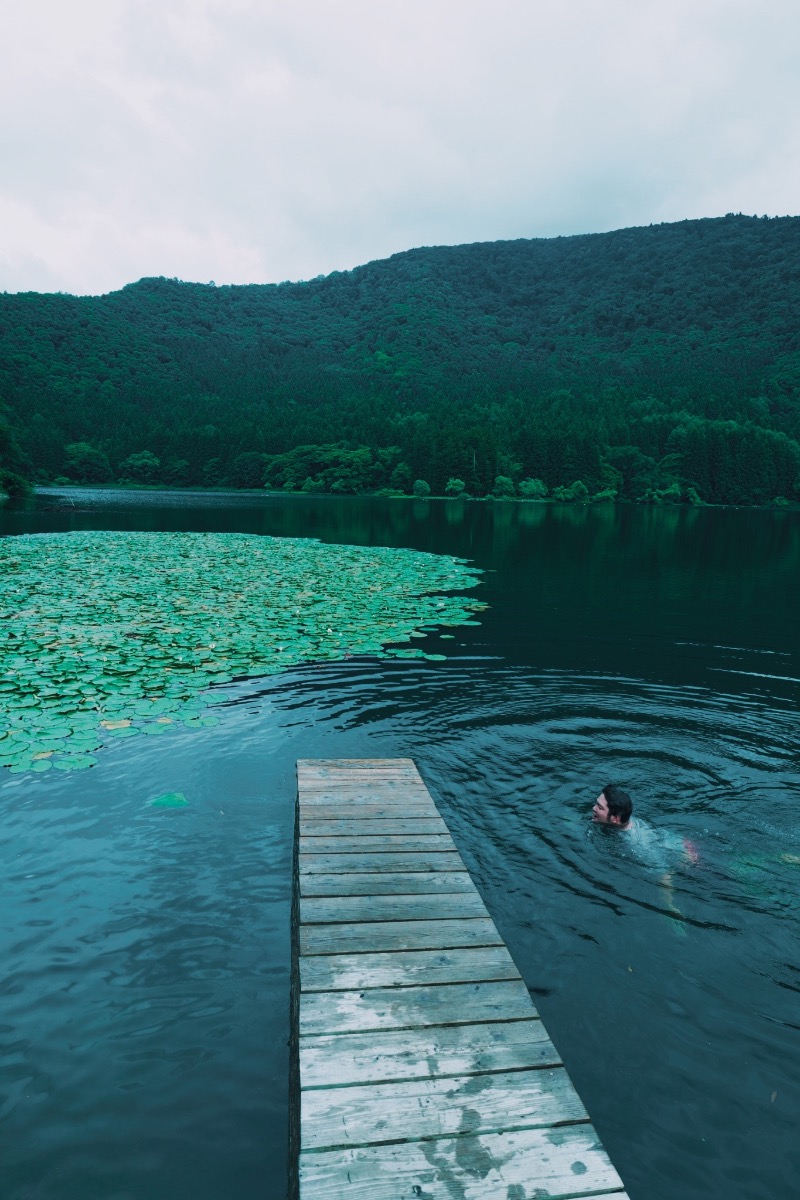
{"x": 351, "y": 972}
{"x": 420, "y": 1064}
{"x": 340, "y": 1059}
{"x": 309, "y": 827}
{"x": 363, "y": 843}
{"x": 367, "y": 1114}
{"x": 412, "y": 1007}
{"x": 398, "y": 935}
{"x": 398, "y": 797}
{"x": 386, "y": 883}
{"x": 332, "y": 811}
{"x": 328, "y": 910}
{"x": 331, "y": 864}
{"x": 561, "y": 1163}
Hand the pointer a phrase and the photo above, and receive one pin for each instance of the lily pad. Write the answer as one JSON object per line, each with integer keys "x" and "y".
{"x": 167, "y": 618}
{"x": 75, "y": 762}
{"x": 169, "y": 800}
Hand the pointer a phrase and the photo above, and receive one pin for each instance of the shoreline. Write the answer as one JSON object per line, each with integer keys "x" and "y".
{"x": 547, "y": 501}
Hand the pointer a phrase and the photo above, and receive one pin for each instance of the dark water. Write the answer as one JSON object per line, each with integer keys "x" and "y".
{"x": 144, "y": 1003}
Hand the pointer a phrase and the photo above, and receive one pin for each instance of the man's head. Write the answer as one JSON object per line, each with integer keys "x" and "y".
{"x": 613, "y": 807}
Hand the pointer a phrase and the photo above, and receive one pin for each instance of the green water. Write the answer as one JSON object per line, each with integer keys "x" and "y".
{"x": 145, "y": 944}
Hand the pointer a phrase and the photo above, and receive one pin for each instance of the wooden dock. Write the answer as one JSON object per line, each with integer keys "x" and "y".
{"x": 421, "y": 1067}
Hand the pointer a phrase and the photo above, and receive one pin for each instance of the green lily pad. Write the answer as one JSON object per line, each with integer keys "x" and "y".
{"x": 169, "y": 800}
{"x": 171, "y": 616}
{"x": 75, "y": 762}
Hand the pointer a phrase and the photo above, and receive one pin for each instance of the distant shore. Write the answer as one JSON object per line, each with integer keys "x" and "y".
{"x": 387, "y": 494}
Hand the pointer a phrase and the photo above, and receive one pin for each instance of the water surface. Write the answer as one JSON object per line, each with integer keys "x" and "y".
{"x": 144, "y": 1008}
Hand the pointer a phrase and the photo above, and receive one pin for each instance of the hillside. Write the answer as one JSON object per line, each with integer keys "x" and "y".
{"x": 647, "y": 362}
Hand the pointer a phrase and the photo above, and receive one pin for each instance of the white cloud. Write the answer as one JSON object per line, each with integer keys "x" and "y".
{"x": 250, "y": 140}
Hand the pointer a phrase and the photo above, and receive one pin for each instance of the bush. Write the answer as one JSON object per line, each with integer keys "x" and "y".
{"x": 503, "y": 487}
{"x": 13, "y": 484}
{"x": 247, "y": 470}
{"x": 533, "y": 489}
{"x": 139, "y": 468}
{"x": 455, "y": 487}
{"x": 576, "y": 493}
{"x": 175, "y": 471}
{"x": 421, "y": 489}
{"x": 87, "y": 464}
{"x": 313, "y": 485}
{"x": 401, "y": 477}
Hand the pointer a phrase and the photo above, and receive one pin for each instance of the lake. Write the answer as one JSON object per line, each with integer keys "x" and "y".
{"x": 145, "y": 951}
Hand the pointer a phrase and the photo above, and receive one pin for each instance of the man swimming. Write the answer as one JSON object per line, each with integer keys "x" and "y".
{"x": 613, "y": 807}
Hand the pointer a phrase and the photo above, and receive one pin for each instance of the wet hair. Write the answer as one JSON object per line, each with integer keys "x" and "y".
{"x": 619, "y": 803}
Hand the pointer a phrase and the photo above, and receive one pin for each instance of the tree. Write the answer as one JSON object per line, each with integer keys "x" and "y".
{"x": 12, "y": 461}
{"x": 503, "y": 487}
{"x": 212, "y": 473}
{"x": 139, "y": 468}
{"x": 421, "y": 489}
{"x": 455, "y": 487}
{"x": 86, "y": 463}
{"x": 247, "y": 470}
{"x": 401, "y": 477}
{"x": 175, "y": 471}
{"x": 577, "y": 492}
{"x": 637, "y": 471}
{"x": 13, "y": 484}
{"x": 532, "y": 489}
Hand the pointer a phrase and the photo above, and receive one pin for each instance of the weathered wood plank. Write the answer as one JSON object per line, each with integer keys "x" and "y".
{"x": 409, "y": 1008}
{"x": 398, "y": 935}
{"x": 356, "y": 779}
{"x": 557, "y": 1163}
{"x": 330, "y": 910}
{"x": 397, "y": 883}
{"x": 339, "y": 773}
{"x": 335, "y": 864}
{"x": 355, "y": 764}
{"x": 346, "y": 1058}
{"x": 367, "y": 1114}
{"x": 405, "y": 843}
{"x": 405, "y": 968}
{"x": 348, "y": 827}
{"x": 399, "y": 797}
{"x": 367, "y": 812}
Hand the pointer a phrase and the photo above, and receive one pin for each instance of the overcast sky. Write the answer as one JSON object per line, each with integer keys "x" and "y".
{"x": 255, "y": 141}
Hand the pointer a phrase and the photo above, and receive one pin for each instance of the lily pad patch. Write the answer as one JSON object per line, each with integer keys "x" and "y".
{"x": 168, "y": 616}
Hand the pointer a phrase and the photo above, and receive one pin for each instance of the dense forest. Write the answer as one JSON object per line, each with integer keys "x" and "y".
{"x": 654, "y": 364}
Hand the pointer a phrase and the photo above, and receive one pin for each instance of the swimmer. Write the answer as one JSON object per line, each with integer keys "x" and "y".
{"x": 614, "y": 809}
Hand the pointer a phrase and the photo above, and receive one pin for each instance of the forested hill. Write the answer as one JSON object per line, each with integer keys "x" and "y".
{"x": 652, "y": 363}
